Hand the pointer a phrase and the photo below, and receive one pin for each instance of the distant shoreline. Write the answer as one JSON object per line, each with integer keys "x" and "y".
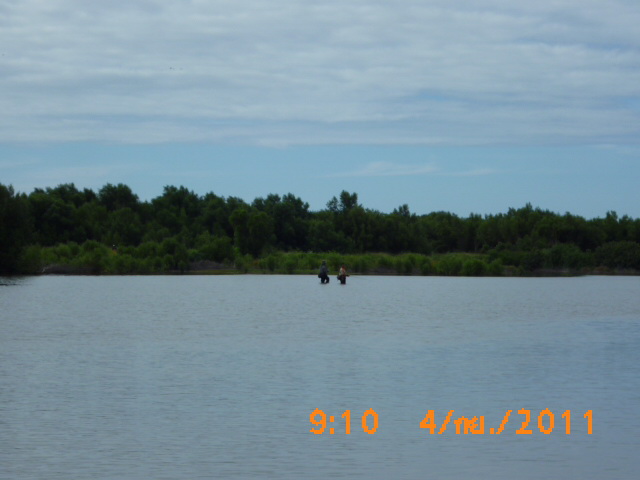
{"x": 68, "y": 270}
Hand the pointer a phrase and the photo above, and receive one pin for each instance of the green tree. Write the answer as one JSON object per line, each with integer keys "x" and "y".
{"x": 260, "y": 231}
{"x": 115, "y": 197}
{"x": 15, "y": 229}
{"x": 290, "y": 218}
{"x": 624, "y": 254}
{"x": 124, "y": 227}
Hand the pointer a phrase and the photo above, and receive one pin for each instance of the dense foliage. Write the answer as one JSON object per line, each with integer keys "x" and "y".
{"x": 112, "y": 231}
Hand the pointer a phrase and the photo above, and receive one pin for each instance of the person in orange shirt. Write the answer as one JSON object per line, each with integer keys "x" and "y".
{"x": 342, "y": 275}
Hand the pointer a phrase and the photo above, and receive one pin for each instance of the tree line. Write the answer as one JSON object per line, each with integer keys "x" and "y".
{"x": 113, "y": 231}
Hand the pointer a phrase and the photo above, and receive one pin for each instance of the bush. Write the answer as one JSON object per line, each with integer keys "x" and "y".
{"x": 95, "y": 259}
{"x": 218, "y": 249}
{"x": 147, "y": 250}
{"x": 361, "y": 264}
{"x": 495, "y": 268}
{"x": 270, "y": 263}
{"x": 123, "y": 264}
{"x": 532, "y": 260}
{"x": 334, "y": 261}
{"x": 169, "y": 246}
{"x": 474, "y": 268}
{"x": 243, "y": 262}
{"x": 385, "y": 262}
{"x": 64, "y": 254}
{"x": 449, "y": 266}
{"x": 404, "y": 265}
{"x": 145, "y": 266}
{"x": 290, "y": 264}
{"x": 565, "y": 255}
{"x": 168, "y": 263}
{"x": 87, "y": 247}
{"x": 311, "y": 261}
{"x": 31, "y": 260}
{"x": 619, "y": 255}
{"x": 426, "y": 267}
{"x": 157, "y": 264}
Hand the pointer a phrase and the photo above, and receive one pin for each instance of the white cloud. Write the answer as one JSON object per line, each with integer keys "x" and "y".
{"x": 391, "y": 169}
{"x": 326, "y": 71}
{"x": 476, "y": 172}
{"x": 8, "y": 164}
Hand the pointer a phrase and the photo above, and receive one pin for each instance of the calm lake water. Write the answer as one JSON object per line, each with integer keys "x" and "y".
{"x": 170, "y": 377}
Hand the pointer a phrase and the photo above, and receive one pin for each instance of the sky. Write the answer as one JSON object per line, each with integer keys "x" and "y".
{"x": 460, "y": 106}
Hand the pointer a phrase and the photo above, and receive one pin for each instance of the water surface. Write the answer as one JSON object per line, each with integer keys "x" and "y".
{"x": 171, "y": 377}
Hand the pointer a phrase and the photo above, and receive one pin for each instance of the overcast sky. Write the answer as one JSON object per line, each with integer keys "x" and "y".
{"x": 463, "y": 106}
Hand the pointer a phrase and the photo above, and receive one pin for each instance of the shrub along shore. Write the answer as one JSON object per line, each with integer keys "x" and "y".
{"x": 96, "y": 259}
{"x": 63, "y": 230}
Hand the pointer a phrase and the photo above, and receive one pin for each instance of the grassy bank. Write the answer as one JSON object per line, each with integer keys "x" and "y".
{"x": 93, "y": 258}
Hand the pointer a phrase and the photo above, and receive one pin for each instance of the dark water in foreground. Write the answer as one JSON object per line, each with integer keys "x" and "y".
{"x": 215, "y": 377}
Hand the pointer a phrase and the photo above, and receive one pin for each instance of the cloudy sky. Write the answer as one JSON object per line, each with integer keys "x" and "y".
{"x": 464, "y": 106}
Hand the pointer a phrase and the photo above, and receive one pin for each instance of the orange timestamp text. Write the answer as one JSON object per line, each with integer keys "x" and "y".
{"x": 461, "y": 425}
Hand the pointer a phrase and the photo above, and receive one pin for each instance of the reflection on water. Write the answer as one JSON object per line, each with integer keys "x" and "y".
{"x": 215, "y": 377}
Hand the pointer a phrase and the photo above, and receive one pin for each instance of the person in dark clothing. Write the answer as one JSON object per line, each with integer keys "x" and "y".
{"x": 324, "y": 273}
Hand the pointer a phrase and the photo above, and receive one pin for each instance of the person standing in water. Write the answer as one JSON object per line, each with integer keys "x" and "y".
{"x": 324, "y": 273}
{"x": 342, "y": 275}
